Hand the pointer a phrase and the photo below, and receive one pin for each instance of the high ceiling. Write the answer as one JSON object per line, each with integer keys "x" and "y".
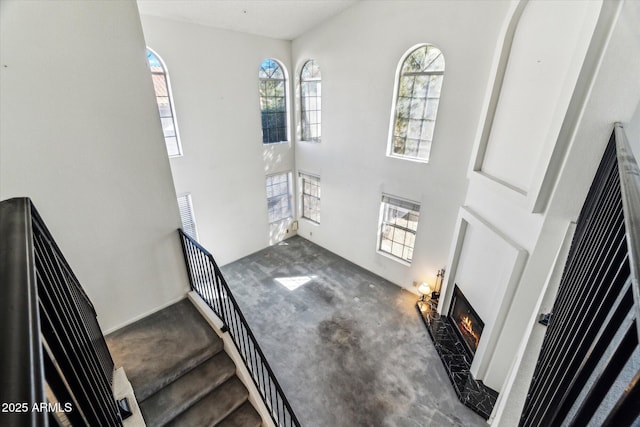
{"x": 281, "y": 19}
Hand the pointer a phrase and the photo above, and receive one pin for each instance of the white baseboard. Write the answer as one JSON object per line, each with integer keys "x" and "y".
{"x": 121, "y": 389}
{"x": 143, "y": 315}
{"x": 232, "y": 351}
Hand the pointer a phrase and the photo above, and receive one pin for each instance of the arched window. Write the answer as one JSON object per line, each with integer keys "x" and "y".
{"x": 165, "y": 103}
{"x": 273, "y": 104}
{"x": 417, "y": 96}
{"x": 310, "y": 101}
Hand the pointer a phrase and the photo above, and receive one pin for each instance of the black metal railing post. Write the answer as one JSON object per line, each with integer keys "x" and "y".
{"x": 208, "y": 282}
{"x": 21, "y": 362}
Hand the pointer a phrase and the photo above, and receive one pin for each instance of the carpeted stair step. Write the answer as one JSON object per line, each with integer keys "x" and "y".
{"x": 163, "y": 346}
{"x": 170, "y": 401}
{"x": 244, "y": 416}
{"x": 215, "y": 406}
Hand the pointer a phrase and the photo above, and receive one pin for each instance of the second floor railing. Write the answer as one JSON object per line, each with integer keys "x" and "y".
{"x": 207, "y": 281}
{"x": 55, "y": 365}
{"x": 588, "y": 367}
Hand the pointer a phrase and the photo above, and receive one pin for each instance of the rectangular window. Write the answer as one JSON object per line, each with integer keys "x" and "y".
{"x": 186, "y": 215}
{"x": 310, "y": 186}
{"x": 279, "y": 197}
{"x": 398, "y": 226}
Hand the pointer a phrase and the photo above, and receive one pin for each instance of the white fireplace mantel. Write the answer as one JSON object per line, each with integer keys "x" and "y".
{"x": 486, "y": 265}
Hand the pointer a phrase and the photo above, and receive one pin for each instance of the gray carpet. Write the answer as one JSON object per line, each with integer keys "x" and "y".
{"x": 156, "y": 350}
{"x": 180, "y": 372}
{"x": 346, "y": 345}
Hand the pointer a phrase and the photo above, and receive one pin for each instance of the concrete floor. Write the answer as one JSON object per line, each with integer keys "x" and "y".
{"x": 346, "y": 345}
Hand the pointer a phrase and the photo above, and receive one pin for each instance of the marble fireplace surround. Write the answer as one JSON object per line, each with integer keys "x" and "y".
{"x": 486, "y": 265}
{"x": 453, "y": 354}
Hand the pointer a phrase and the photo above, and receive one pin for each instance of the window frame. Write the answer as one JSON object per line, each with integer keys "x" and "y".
{"x": 304, "y": 124}
{"x": 398, "y": 203}
{"x": 288, "y": 195}
{"x": 395, "y": 110}
{"x": 263, "y": 101}
{"x": 174, "y": 120}
{"x": 311, "y": 177}
{"x": 187, "y": 209}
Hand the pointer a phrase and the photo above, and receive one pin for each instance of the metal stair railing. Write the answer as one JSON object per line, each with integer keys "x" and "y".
{"x": 55, "y": 365}
{"x": 207, "y": 281}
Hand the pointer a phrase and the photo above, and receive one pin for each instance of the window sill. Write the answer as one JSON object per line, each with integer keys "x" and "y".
{"x": 278, "y": 221}
{"x": 309, "y": 221}
{"x": 391, "y": 257}
{"x": 410, "y": 159}
{"x": 276, "y": 143}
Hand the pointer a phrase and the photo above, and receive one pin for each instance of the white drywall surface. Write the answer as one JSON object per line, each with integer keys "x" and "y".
{"x": 214, "y": 79}
{"x": 81, "y": 136}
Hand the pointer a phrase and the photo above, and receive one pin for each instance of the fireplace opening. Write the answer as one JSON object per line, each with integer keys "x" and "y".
{"x": 465, "y": 321}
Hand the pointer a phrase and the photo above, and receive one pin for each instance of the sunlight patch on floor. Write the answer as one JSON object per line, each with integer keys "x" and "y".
{"x": 293, "y": 283}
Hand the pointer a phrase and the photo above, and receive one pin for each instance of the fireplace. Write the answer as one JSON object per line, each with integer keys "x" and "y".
{"x": 465, "y": 321}
{"x": 456, "y": 349}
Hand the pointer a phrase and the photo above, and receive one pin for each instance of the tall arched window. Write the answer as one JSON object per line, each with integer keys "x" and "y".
{"x": 165, "y": 103}
{"x": 417, "y": 96}
{"x": 310, "y": 101}
{"x": 273, "y": 104}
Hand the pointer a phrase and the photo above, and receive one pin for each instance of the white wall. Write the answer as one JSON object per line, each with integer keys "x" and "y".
{"x": 633, "y": 132}
{"x": 488, "y": 286}
{"x": 612, "y": 95}
{"x": 214, "y": 78}
{"x": 549, "y": 46}
{"x": 523, "y": 129}
{"x": 514, "y": 149}
{"x": 358, "y": 53}
{"x": 478, "y": 239}
{"x": 81, "y": 136}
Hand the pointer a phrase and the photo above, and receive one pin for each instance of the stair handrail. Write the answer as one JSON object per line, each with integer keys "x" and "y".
{"x": 207, "y": 281}
{"x": 21, "y": 362}
{"x": 55, "y": 357}
{"x": 630, "y": 190}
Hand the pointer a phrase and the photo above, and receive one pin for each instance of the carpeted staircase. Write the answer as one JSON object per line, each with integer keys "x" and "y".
{"x": 179, "y": 371}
